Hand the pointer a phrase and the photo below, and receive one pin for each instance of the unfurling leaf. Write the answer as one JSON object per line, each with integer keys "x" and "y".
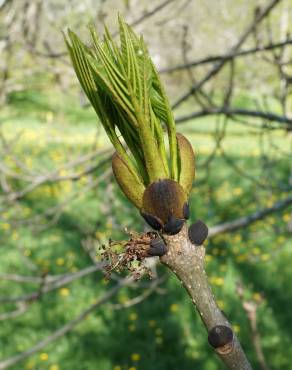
{"x": 119, "y": 81}
{"x": 128, "y": 180}
{"x": 123, "y": 85}
{"x": 186, "y": 163}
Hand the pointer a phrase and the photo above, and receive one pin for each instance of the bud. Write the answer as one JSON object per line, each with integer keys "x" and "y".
{"x": 198, "y": 232}
{"x": 186, "y": 163}
{"x": 164, "y": 198}
{"x": 157, "y": 247}
{"x": 220, "y": 338}
{"x": 164, "y": 206}
{"x": 128, "y": 180}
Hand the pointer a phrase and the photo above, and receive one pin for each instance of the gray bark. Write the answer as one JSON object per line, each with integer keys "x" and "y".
{"x": 187, "y": 262}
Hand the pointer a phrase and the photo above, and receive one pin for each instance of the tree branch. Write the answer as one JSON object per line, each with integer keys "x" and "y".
{"x": 218, "y": 58}
{"x": 247, "y": 220}
{"x": 269, "y": 116}
{"x": 52, "y": 284}
{"x": 187, "y": 262}
{"x": 64, "y": 329}
{"x": 214, "y": 70}
{"x": 151, "y": 12}
{"x": 250, "y": 307}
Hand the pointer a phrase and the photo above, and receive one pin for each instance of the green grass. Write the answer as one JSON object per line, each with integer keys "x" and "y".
{"x": 163, "y": 332}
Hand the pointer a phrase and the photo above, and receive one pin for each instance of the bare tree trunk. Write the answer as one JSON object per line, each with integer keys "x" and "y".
{"x": 187, "y": 262}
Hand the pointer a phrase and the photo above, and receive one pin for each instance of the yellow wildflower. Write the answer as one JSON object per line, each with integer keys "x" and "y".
{"x": 256, "y": 251}
{"x": 5, "y": 226}
{"x": 44, "y": 356}
{"x": 30, "y": 365}
{"x": 265, "y": 257}
{"x": 236, "y": 328}
{"x": 135, "y": 357}
{"x": 208, "y": 258}
{"x": 220, "y": 304}
{"x": 237, "y": 238}
{"x": 152, "y": 323}
{"x": 60, "y": 261}
{"x": 237, "y": 191}
{"x": 281, "y": 239}
{"x": 174, "y": 307}
{"x": 133, "y": 316}
{"x": 217, "y": 280}
{"x": 132, "y": 327}
{"x": 123, "y": 298}
{"x": 54, "y": 367}
{"x": 64, "y": 292}
{"x": 109, "y": 224}
{"x": 241, "y": 258}
{"x": 235, "y": 249}
{"x": 63, "y": 173}
{"x": 257, "y": 297}
{"x": 286, "y": 217}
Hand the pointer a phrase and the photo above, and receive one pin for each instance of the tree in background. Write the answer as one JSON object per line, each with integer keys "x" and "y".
{"x": 248, "y": 86}
{"x": 124, "y": 88}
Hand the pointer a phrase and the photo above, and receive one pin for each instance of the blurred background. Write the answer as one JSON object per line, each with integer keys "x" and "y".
{"x": 227, "y": 68}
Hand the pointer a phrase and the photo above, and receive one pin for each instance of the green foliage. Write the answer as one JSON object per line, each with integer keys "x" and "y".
{"x": 128, "y": 180}
{"x": 124, "y": 88}
{"x": 163, "y": 332}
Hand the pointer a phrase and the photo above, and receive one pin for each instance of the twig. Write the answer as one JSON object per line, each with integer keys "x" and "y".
{"x": 22, "y": 307}
{"x": 50, "y": 285}
{"x": 64, "y": 329}
{"x": 247, "y": 220}
{"x": 57, "y": 55}
{"x": 54, "y": 176}
{"x": 269, "y": 116}
{"x": 187, "y": 262}
{"x": 151, "y": 12}
{"x": 56, "y": 210}
{"x": 140, "y": 298}
{"x": 214, "y": 70}
{"x": 217, "y": 58}
{"x": 250, "y": 307}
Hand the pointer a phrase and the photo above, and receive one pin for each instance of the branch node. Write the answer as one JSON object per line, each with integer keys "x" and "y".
{"x": 198, "y": 232}
{"x": 157, "y": 247}
{"x": 220, "y": 337}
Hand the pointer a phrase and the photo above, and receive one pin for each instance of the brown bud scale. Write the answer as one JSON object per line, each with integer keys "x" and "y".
{"x": 198, "y": 232}
{"x": 220, "y": 337}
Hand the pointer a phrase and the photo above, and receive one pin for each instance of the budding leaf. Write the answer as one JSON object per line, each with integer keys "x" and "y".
{"x": 128, "y": 180}
{"x": 186, "y": 163}
{"x": 124, "y": 87}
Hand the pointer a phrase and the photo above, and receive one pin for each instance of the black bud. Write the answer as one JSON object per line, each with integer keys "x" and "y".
{"x": 186, "y": 211}
{"x": 157, "y": 247}
{"x": 152, "y": 221}
{"x": 173, "y": 225}
{"x": 219, "y": 336}
{"x": 198, "y": 232}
